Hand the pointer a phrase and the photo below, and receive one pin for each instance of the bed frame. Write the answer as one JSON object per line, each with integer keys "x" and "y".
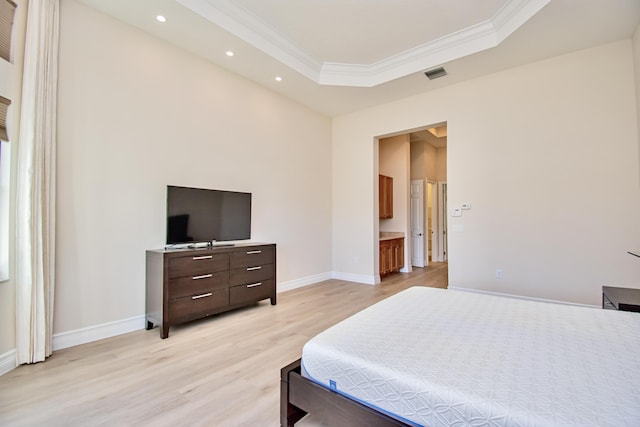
{"x": 300, "y": 396}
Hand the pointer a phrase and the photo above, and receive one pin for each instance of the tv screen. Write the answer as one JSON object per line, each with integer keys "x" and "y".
{"x": 196, "y": 215}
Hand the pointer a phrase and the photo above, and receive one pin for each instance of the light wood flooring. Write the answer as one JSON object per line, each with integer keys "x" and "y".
{"x": 220, "y": 371}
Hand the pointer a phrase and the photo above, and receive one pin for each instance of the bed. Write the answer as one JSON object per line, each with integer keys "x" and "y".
{"x": 436, "y": 357}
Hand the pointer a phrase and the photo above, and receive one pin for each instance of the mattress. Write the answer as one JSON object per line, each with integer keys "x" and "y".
{"x": 436, "y": 357}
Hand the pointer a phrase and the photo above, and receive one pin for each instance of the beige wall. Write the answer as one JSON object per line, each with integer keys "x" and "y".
{"x": 136, "y": 114}
{"x": 636, "y": 57}
{"x": 428, "y": 162}
{"x": 441, "y": 164}
{"x": 554, "y": 201}
{"x": 394, "y": 162}
{"x": 431, "y": 162}
{"x": 417, "y": 160}
{"x": 11, "y": 87}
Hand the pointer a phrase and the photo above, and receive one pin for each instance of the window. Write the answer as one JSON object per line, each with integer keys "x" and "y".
{"x": 4, "y": 106}
{"x": 5, "y": 150}
{"x": 7, "y": 12}
{"x": 4, "y": 190}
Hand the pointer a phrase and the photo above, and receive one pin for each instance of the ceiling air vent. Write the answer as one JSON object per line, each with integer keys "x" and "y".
{"x": 435, "y": 73}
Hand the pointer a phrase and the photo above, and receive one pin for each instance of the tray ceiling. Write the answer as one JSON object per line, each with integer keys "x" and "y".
{"x": 364, "y": 44}
{"x": 339, "y": 56}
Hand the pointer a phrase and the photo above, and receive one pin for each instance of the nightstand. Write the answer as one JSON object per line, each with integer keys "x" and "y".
{"x": 623, "y": 299}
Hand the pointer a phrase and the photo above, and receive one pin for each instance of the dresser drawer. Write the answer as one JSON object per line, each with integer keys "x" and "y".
{"x": 252, "y": 256}
{"x": 252, "y": 292}
{"x": 188, "y": 284}
{"x": 196, "y": 306}
{"x": 252, "y": 274}
{"x": 192, "y": 285}
{"x": 197, "y": 265}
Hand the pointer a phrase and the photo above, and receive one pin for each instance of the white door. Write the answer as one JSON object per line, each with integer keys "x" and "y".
{"x": 417, "y": 223}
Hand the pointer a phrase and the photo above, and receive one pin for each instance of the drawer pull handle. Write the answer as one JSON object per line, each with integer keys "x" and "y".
{"x": 196, "y": 258}
{"x": 254, "y": 285}
{"x": 253, "y": 252}
{"x": 254, "y": 268}
{"x": 204, "y": 276}
{"x": 208, "y": 294}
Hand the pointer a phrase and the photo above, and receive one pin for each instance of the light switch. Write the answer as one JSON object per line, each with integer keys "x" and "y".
{"x": 466, "y": 206}
{"x": 456, "y": 212}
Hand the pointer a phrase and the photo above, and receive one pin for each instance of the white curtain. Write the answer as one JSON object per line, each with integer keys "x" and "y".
{"x": 36, "y": 185}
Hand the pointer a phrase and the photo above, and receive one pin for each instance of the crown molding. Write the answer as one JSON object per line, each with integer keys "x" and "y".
{"x": 513, "y": 15}
{"x": 248, "y": 27}
{"x": 476, "y": 38}
{"x": 453, "y": 46}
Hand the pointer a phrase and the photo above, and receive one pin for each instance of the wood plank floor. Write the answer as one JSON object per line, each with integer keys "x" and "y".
{"x": 220, "y": 371}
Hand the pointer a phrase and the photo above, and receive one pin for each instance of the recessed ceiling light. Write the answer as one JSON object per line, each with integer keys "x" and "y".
{"x": 278, "y": 78}
{"x": 230, "y": 53}
{"x": 161, "y": 18}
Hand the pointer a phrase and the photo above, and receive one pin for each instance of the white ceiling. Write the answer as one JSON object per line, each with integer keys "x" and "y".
{"x": 339, "y": 56}
{"x": 368, "y": 31}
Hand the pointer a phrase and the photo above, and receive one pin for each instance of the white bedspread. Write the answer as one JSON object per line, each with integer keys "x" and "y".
{"x": 438, "y": 357}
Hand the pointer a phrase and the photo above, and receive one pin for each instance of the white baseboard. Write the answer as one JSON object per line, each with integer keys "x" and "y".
{"x": 358, "y": 278}
{"x": 97, "y": 332}
{"x": 7, "y": 362}
{"x": 118, "y": 327}
{"x": 310, "y": 280}
{"x": 304, "y": 281}
{"x": 500, "y": 294}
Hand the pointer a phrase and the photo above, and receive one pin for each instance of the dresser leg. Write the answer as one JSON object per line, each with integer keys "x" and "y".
{"x": 149, "y": 325}
{"x": 164, "y": 331}
{"x": 273, "y": 300}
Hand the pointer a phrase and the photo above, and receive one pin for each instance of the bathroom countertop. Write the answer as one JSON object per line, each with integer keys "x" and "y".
{"x": 388, "y": 235}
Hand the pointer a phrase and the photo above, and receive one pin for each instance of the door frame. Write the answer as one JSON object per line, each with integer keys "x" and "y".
{"x": 435, "y": 222}
{"x": 443, "y": 235}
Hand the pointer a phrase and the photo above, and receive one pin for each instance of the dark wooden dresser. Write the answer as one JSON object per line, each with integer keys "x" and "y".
{"x": 624, "y": 299}
{"x": 189, "y": 284}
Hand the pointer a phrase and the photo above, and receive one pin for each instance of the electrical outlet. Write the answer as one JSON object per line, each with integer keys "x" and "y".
{"x": 499, "y": 274}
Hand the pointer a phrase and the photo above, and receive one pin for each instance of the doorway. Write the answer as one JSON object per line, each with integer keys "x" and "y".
{"x": 417, "y": 161}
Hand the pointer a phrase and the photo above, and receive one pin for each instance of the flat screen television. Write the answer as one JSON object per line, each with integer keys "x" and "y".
{"x": 198, "y": 215}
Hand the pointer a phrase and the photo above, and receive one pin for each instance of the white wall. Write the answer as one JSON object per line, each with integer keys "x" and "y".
{"x": 136, "y": 114}
{"x": 547, "y": 155}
